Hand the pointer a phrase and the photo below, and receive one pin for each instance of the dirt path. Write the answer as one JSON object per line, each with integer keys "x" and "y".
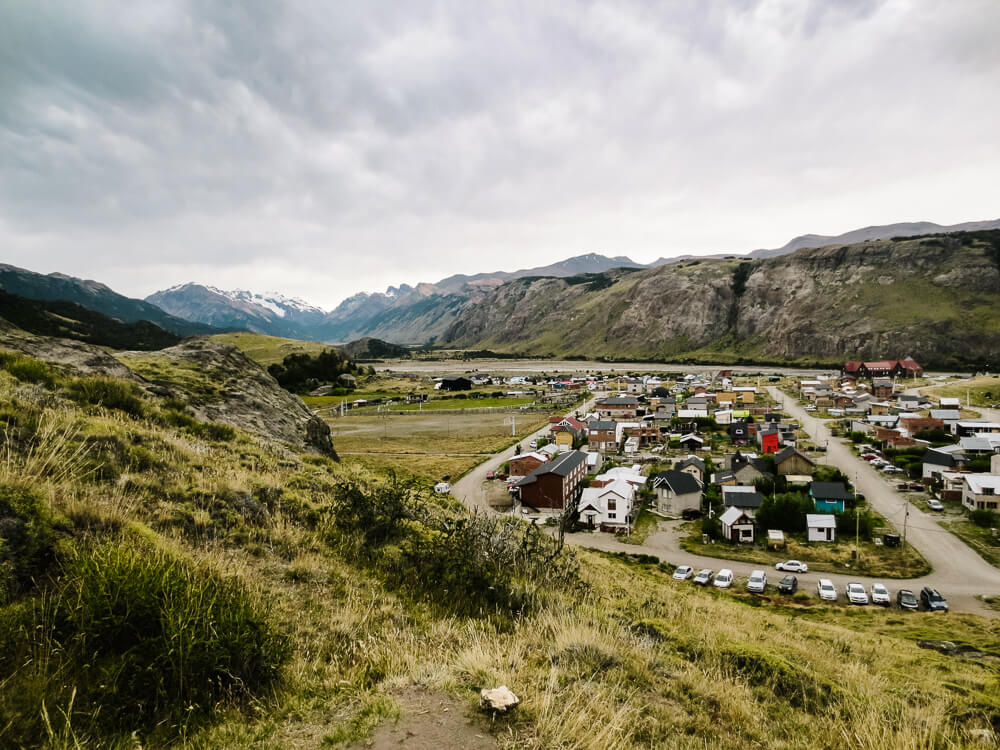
{"x": 430, "y": 721}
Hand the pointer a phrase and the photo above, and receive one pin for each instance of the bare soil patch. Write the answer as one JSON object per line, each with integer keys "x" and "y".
{"x": 430, "y": 721}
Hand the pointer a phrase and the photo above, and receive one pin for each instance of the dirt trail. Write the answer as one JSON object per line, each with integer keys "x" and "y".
{"x": 430, "y": 721}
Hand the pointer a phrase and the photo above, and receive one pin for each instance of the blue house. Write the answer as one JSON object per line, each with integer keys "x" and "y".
{"x": 829, "y": 497}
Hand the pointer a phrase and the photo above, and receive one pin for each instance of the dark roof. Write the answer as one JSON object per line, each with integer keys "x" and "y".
{"x": 691, "y": 461}
{"x": 602, "y": 424}
{"x": 742, "y": 499}
{"x": 677, "y": 481}
{"x": 937, "y": 458}
{"x": 561, "y": 465}
{"x": 829, "y": 491}
{"x": 619, "y": 401}
{"x": 788, "y": 452}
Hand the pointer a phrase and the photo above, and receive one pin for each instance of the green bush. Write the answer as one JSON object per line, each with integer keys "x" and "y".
{"x": 987, "y": 519}
{"x": 144, "y": 638}
{"x": 111, "y": 393}
{"x": 27, "y": 369}
{"x": 27, "y": 538}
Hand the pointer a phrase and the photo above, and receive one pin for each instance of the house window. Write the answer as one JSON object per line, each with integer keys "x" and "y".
{"x": 612, "y": 515}
{"x": 612, "y": 504}
{"x": 987, "y": 490}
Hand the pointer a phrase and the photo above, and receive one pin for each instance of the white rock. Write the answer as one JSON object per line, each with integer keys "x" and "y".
{"x": 498, "y": 699}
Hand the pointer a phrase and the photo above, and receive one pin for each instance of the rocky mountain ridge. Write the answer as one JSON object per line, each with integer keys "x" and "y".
{"x": 935, "y": 297}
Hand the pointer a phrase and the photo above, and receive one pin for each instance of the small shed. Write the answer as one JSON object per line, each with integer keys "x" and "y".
{"x": 822, "y": 527}
{"x": 691, "y": 442}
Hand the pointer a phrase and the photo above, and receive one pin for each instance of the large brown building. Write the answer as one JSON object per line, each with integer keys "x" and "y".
{"x": 556, "y": 484}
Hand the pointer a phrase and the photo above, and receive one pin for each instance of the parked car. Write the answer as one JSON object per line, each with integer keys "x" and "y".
{"x": 690, "y": 514}
{"x": 788, "y": 585}
{"x": 932, "y": 601}
{"x": 757, "y": 582}
{"x": 683, "y": 572}
{"x": 880, "y": 595}
{"x": 935, "y": 504}
{"x": 704, "y": 577}
{"x": 906, "y": 600}
{"x": 810, "y": 408}
{"x": 826, "y": 590}
{"x": 491, "y": 475}
{"x": 792, "y": 566}
{"x": 442, "y": 488}
{"x": 856, "y": 594}
{"x": 869, "y": 456}
{"x": 724, "y": 579}
{"x": 890, "y": 469}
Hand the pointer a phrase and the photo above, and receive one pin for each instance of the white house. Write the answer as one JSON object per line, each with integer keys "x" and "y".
{"x": 676, "y": 491}
{"x": 608, "y": 507}
{"x": 737, "y": 526}
{"x": 822, "y": 527}
{"x": 744, "y": 497}
{"x": 628, "y": 474}
{"x": 981, "y": 491}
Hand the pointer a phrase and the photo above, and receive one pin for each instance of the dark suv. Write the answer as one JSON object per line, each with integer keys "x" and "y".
{"x": 931, "y": 600}
{"x": 690, "y": 514}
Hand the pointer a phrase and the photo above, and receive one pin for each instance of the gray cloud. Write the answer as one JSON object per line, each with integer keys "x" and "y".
{"x": 323, "y": 148}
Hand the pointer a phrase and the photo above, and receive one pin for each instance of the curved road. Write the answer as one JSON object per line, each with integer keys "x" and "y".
{"x": 958, "y": 572}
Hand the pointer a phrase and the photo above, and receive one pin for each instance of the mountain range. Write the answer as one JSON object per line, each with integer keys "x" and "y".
{"x": 421, "y": 314}
{"x": 856, "y": 295}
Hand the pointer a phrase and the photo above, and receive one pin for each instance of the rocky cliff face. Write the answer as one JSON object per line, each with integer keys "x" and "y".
{"x": 240, "y": 392}
{"x": 937, "y": 298}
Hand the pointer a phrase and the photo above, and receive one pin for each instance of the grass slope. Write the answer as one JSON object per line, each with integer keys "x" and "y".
{"x": 375, "y": 587}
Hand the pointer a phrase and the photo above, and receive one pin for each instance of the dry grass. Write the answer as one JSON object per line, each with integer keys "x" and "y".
{"x": 626, "y": 661}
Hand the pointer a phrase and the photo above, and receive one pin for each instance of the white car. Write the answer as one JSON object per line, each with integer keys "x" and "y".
{"x": 856, "y": 594}
{"x": 442, "y": 488}
{"x": 826, "y": 590}
{"x": 757, "y": 582}
{"x": 724, "y": 579}
{"x": 880, "y": 595}
{"x": 793, "y": 566}
{"x": 683, "y": 573}
{"x": 935, "y": 504}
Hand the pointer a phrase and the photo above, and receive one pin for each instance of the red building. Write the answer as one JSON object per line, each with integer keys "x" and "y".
{"x": 770, "y": 442}
{"x": 556, "y": 484}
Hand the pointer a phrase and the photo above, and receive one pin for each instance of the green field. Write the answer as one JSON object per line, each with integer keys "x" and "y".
{"x": 982, "y": 390}
{"x": 268, "y": 350}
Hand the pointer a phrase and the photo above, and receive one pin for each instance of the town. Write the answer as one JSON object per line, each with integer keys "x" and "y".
{"x": 742, "y": 469}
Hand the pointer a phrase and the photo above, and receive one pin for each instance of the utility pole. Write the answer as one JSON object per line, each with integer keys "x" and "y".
{"x": 857, "y": 522}
{"x": 906, "y": 517}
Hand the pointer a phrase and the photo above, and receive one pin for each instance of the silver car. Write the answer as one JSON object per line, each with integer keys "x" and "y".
{"x": 856, "y": 594}
{"x": 826, "y": 590}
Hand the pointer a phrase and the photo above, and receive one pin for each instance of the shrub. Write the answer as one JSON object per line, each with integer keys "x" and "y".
{"x": 143, "y": 638}
{"x": 111, "y": 393}
{"x": 987, "y": 519}
{"x": 27, "y": 369}
{"x": 27, "y": 538}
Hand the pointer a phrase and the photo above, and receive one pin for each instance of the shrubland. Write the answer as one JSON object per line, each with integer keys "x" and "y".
{"x": 165, "y": 583}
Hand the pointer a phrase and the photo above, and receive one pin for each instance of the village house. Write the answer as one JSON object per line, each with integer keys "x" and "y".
{"x": 630, "y": 474}
{"x": 619, "y": 407}
{"x": 603, "y": 436}
{"x": 769, "y": 440}
{"x": 938, "y": 460}
{"x": 829, "y": 497}
{"x": 608, "y": 508}
{"x": 792, "y": 461}
{"x": 981, "y": 491}
{"x": 692, "y": 465}
{"x": 554, "y": 485}
{"x": 676, "y": 491}
{"x": 565, "y": 436}
{"x": 525, "y": 463}
{"x": 882, "y": 388}
{"x": 744, "y": 497}
{"x": 454, "y": 383}
{"x": 910, "y": 425}
{"x": 737, "y": 526}
{"x": 692, "y": 442}
{"x": 886, "y": 368}
{"x": 821, "y": 527}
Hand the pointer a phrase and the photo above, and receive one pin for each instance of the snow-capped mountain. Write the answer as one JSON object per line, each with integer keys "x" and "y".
{"x": 270, "y": 313}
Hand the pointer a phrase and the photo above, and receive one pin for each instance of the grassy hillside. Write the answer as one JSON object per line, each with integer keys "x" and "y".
{"x": 166, "y": 583}
{"x": 268, "y": 350}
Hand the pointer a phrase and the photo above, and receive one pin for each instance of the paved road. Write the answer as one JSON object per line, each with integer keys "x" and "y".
{"x": 469, "y": 489}
{"x": 958, "y": 572}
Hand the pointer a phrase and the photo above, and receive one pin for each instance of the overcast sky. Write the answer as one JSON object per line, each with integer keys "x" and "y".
{"x": 325, "y": 148}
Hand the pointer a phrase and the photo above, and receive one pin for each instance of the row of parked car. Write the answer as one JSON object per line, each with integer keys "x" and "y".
{"x": 930, "y": 599}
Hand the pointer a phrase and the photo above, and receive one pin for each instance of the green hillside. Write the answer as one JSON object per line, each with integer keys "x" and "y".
{"x": 168, "y": 583}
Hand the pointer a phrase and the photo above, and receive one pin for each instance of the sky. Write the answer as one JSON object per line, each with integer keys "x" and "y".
{"x": 325, "y": 148}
